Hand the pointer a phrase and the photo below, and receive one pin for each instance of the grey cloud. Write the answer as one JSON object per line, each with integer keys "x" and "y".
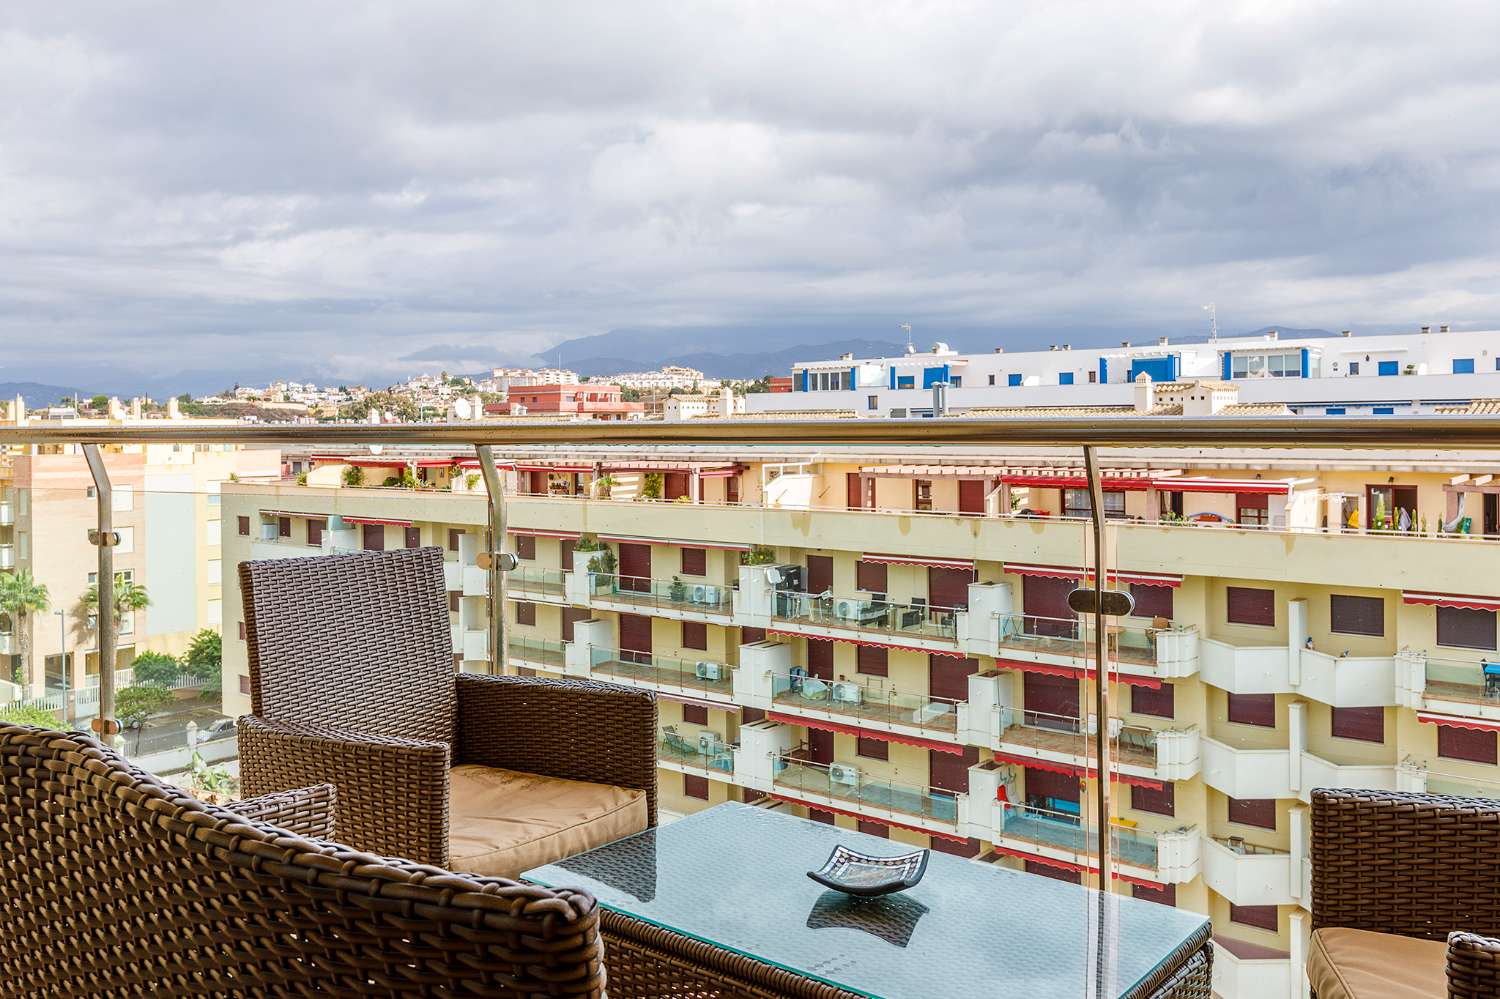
{"x": 204, "y": 192}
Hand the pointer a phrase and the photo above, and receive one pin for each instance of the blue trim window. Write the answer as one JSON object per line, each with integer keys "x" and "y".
{"x": 893, "y": 377}
{"x": 1227, "y": 367}
{"x": 931, "y": 376}
{"x": 1334, "y": 411}
{"x": 1066, "y": 378}
{"x": 906, "y": 381}
{"x": 1389, "y": 368}
{"x": 1354, "y": 367}
{"x": 1384, "y": 410}
{"x": 1103, "y": 371}
{"x": 1463, "y": 365}
{"x": 1306, "y": 362}
{"x": 1013, "y": 380}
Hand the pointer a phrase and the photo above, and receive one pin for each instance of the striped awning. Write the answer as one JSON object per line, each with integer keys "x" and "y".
{"x": 927, "y": 560}
{"x": 377, "y": 520}
{"x": 542, "y": 532}
{"x": 1450, "y": 600}
{"x": 1451, "y": 721}
{"x": 1061, "y": 865}
{"x": 1268, "y": 487}
{"x": 865, "y": 733}
{"x": 630, "y": 539}
{"x": 877, "y": 819}
{"x": 1078, "y": 770}
{"x": 952, "y": 653}
{"x": 1077, "y": 572}
{"x": 698, "y": 702}
{"x": 1078, "y": 672}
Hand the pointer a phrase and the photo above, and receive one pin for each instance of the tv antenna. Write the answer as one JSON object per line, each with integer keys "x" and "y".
{"x": 1213, "y": 322}
{"x": 906, "y": 328}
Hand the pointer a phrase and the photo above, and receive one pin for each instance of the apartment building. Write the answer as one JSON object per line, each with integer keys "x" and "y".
{"x": 881, "y": 640}
{"x": 166, "y": 513}
{"x": 1376, "y": 375}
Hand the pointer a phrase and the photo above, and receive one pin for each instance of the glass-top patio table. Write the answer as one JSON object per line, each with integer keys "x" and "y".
{"x": 720, "y": 900}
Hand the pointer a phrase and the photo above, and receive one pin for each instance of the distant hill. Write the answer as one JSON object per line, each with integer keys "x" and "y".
{"x": 37, "y": 395}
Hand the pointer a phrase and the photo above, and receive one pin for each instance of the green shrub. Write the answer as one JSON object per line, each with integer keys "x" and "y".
{"x": 156, "y": 668}
{"x": 136, "y": 703}
{"x": 21, "y": 714}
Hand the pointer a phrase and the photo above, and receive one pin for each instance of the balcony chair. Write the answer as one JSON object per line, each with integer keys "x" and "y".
{"x": 353, "y": 683}
{"x": 116, "y": 883}
{"x": 1405, "y": 895}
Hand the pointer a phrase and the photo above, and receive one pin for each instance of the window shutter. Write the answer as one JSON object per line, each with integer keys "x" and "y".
{"x": 1259, "y": 812}
{"x": 1152, "y": 601}
{"x": 1365, "y": 724}
{"x": 873, "y": 661}
{"x": 1251, "y": 605}
{"x": 1253, "y": 709}
{"x": 694, "y": 562}
{"x": 1159, "y": 702}
{"x": 1465, "y": 628}
{"x": 871, "y": 577}
{"x": 1349, "y": 615}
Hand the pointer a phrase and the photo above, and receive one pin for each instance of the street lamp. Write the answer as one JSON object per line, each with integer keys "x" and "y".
{"x": 62, "y": 655}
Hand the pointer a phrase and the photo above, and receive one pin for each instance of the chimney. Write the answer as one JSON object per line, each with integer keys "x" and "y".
{"x": 1145, "y": 393}
{"x": 1274, "y": 335}
{"x": 1161, "y": 341}
{"x": 1124, "y": 343}
{"x": 939, "y": 398}
{"x": 1443, "y": 328}
{"x": 1426, "y": 329}
{"x": 999, "y": 350}
{"x": 1346, "y": 333}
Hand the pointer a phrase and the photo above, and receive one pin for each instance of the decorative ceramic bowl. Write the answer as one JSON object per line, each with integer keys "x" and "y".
{"x": 860, "y": 874}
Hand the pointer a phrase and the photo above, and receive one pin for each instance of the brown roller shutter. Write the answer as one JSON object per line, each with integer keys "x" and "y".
{"x": 819, "y": 745}
{"x": 675, "y": 485}
{"x": 635, "y": 567}
{"x": 1356, "y": 615}
{"x": 873, "y": 660}
{"x": 1364, "y": 724}
{"x": 1250, "y": 605}
{"x": 1466, "y": 744}
{"x": 871, "y": 576}
{"x": 748, "y": 635}
{"x": 971, "y": 496}
{"x": 1044, "y": 600}
{"x": 874, "y": 829}
{"x": 968, "y": 848}
{"x": 569, "y": 616}
{"x": 1055, "y": 873}
{"x": 635, "y": 638}
{"x": 950, "y": 772}
{"x": 1465, "y": 628}
{"x": 1050, "y": 784}
{"x": 373, "y": 537}
{"x": 1152, "y": 601}
{"x": 820, "y": 658}
{"x": 949, "y": 587}
{"x": 949, "y": 678}
{"x": 853, "y": 490}
{"x": 1050, "y": 696}
{"x": 694, "y": 562}
{"x": 819, "y": 573}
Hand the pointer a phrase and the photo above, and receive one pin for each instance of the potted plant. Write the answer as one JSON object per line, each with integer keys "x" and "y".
{"x": 652, "y": 485}
{"x": 603, "y": 485}
{"x": 678, "y": 592}
{"x": 758, "y": 555}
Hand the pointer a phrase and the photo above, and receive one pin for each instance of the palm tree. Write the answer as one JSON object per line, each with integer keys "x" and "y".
{"x": 129, "y": 596}
{"x": 22, "y": 597}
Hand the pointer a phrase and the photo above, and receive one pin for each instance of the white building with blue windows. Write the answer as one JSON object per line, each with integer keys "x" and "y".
{"x": 1386, "y": 374}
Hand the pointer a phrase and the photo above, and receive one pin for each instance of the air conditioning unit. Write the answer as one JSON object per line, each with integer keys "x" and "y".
{"x": 709, "y": 743}
{"x": 268, "y": 532}
{"x": 848, "y": 610}
{"x": 705, "y": 593}
{"x": 705, "y": 670}
{"x": 848, "y": 692}
{"x": 839, "y": 773}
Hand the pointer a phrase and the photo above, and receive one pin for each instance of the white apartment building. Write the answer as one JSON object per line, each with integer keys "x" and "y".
{"x": 671, "y": 376}
{"x": 1384, "y": 375}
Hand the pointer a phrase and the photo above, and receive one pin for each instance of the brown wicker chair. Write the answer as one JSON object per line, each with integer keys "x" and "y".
{"x": 115, "y": 883}
{"x": 352, "y": 682}
{"x": 1415, "y": 866}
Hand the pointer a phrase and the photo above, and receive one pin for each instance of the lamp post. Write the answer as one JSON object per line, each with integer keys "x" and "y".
{"x": 62, "y": 654}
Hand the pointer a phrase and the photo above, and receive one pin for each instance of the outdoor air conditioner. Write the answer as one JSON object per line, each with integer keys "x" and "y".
{"x": 848, "y": 610}
{"x": 699, "y": 590}
{"x": 848, "y": 692}
{"x": 705, "y": 670}
{"x": 705, "y": 593}
{"x": 709, "y": 743}
{"x": 840, "y": 773}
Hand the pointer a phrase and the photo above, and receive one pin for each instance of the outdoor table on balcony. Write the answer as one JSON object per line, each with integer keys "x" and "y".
{"x": 721, "y": 899}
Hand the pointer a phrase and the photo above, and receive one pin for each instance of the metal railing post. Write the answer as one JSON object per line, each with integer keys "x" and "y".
{"x": 104, "y": 538}
{"x": 496, "y": 490}
{"x": 1101, "y": 725}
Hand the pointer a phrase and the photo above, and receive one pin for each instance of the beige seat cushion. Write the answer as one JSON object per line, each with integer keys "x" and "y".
{"x": 1359, "y": 964}
{"x": 503, "y": 822}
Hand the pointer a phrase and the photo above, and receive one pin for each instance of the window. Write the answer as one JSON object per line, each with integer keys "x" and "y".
{"x": 694, "y": 562}
{"x": 242, "y": 631}
{"x": 1250, "y": 605}
{"x": 525, "y": 612}
{"x": 956, "y": 381}
{"x": 1160, "y": 702}
{"x": 1260, "y": 812}
{"x": 1466, "y": 744}
{"x": 872, "y": 660}
{"x": 992, "y": 379}
{"x": 1148, "y": 799}
{"x": 906, "y": 381}
{"x": 922, "y": 494}
{"x": 414, "y": 537}
{"x": 453, "y": 536}
{"x": 243, "y": 524}
{"x": 1334, "y": 411}
{"x": 1383, "y": 411}
{"x": 1065, "y": 378}
{"x": 1463, "y": 365}
{"x": 1364, "y": 724}
{"x": 694, "y": 635}
{"x": 1076, "y": 503}
{"x": 872, "y": 749}
{"x": 1260, "y": 916}
{"x": 695, "y": 787}
{"x": 872, "y": 402}
{"x": 283, "y": 527}
{"x": 315, "y": 528}
{"x": 1252, "y": 509}
{"x": 1349, "y": 615}
{"x": 1152, "y": 601}
{"x": 1013, "y": 380}
{"x": 870, "y": 577}
{"x": 695, "y": 714}
{"x": 1465, "y": 628}
{"x": 1354, "y": 367}
{"x": 1163, "y": 894}
{"x": 244, "y": 684}
{"x": 1253, "y": 709}
{"x": 1283, "y": 364}
{"x": 1093, "y": 376}
{"x": 372, "y": 537}
{"x": 1388, "y": 368}
{"x": 526, "y": 547}
{"x": 819, "y": 815}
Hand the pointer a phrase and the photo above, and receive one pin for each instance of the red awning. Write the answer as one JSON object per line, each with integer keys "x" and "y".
{"x": 855, "y": 730}
{"x": 1079, "y": 770}
{"x": 554, "y": 468}
{"x": 1049, "y": 861}
{"x": 1451, "y": 600}
{"x": 394, "y": 462}
{"x": 1051, "y": 669}
{"x": 1113, "y": 575}
{"x": 868, "y": 818}
{"x": 1073, "y": 482}
{"x": 728, "y": 546}
{"x": 538, "y": 532}
{"x": 377, "y": 520}
{"x": 1268, "y": 487}
{"x": 295, "y": 513}
{"x": 951, "y": 653}
{"x": 938, "y": 563}
{"x": 1451, "y": 722}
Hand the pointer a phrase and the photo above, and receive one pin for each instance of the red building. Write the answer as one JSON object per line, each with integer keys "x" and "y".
{"x": 602, "y": 402}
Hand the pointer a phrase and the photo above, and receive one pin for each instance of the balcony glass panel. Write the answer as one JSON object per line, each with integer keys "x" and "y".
{"x": 1127, "y": 642}
{"x": 536, "y": 652}
{"x": 877, "y": 617}
{"x": 860, "y": 700}
{"x": 1457, "y": 680}
{"x": 705, "y": 751}
{"x": 673, "y": 594}
{"x": 531, "y": 583}
{"x": 1063, "y": 831}
{"x": 875, "y": 795}
{"x": 702, "y": 676}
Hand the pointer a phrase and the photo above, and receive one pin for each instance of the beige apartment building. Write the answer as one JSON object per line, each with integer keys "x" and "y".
{"x": 166, "y": 513}
{"x": 880, "y": 639}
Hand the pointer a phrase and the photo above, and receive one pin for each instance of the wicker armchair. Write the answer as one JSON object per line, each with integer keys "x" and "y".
{"x": 352, "y": 682}
{"x": 1420, "y": 869}
{"x": 115, "y": 883}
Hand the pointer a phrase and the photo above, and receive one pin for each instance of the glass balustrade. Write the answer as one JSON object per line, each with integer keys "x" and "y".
{"x": 701, "y": 676}
{"x": 863, "y": 700}
{"x": 867, "y": 792}
{"x": 880, "y": 617}
{"x": 676, "y": 593}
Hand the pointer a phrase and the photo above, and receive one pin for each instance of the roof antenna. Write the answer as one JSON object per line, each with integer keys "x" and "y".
{"x": 1213, "y": 322}
{"x": 906, "y": 327}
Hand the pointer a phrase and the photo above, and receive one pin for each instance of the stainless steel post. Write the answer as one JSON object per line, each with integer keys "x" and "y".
{"x": 1101, "y": 726}
{"x": 104, "y": 538}
{"x": 496, "y": 490}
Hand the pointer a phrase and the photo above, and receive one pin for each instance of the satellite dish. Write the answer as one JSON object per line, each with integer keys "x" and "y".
{"x": 376, "y": 448}
{"x": 773, "y": 576}
{"x": 462, "y": 409}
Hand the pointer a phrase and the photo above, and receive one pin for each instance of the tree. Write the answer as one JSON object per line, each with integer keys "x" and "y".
{"x": 205, "y": 661}
{"x": 22, "y": 598}
{"x": 22, "y": 714}
{"x": 138, "y": 702}
{"x": 156, "y": 668}
{"x": 129, "y": 596}
{"x": 99, "y": 402}
{"x": 402, "y": 407}
{"x": 354, "y": 476}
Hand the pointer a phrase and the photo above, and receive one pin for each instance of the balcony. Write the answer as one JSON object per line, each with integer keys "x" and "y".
{"x": 1250, "y": 970}
{"x": 1166, "y": 858}
{"x": 848, "y": 788}
{"x": 7, "y": 512}
{"x": 536, "y": 585}
{"x": 1463, "y": 688}
{"x": 705, "y": 754}
{"x": 1284, "y": 773}
{"x": 536, "y": 653}
{"x": 7, "y": 556}
{"x": 470, "y": 643}
{"x": 864, "y": 703}
{"x": 669, "y": 598}
{"x": 701, "y": 678}
{"x": 1138, "y": 751}
{"x": 1247, "y": 874}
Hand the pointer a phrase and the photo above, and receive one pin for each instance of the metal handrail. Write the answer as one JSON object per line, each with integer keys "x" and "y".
{"x": 1447, "y": 432}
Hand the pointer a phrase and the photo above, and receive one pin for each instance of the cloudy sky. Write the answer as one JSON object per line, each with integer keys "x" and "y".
{"x": 205, "y": 191}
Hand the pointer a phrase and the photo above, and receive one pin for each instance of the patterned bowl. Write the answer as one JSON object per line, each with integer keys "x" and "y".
{"x": 861, "y": 874}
